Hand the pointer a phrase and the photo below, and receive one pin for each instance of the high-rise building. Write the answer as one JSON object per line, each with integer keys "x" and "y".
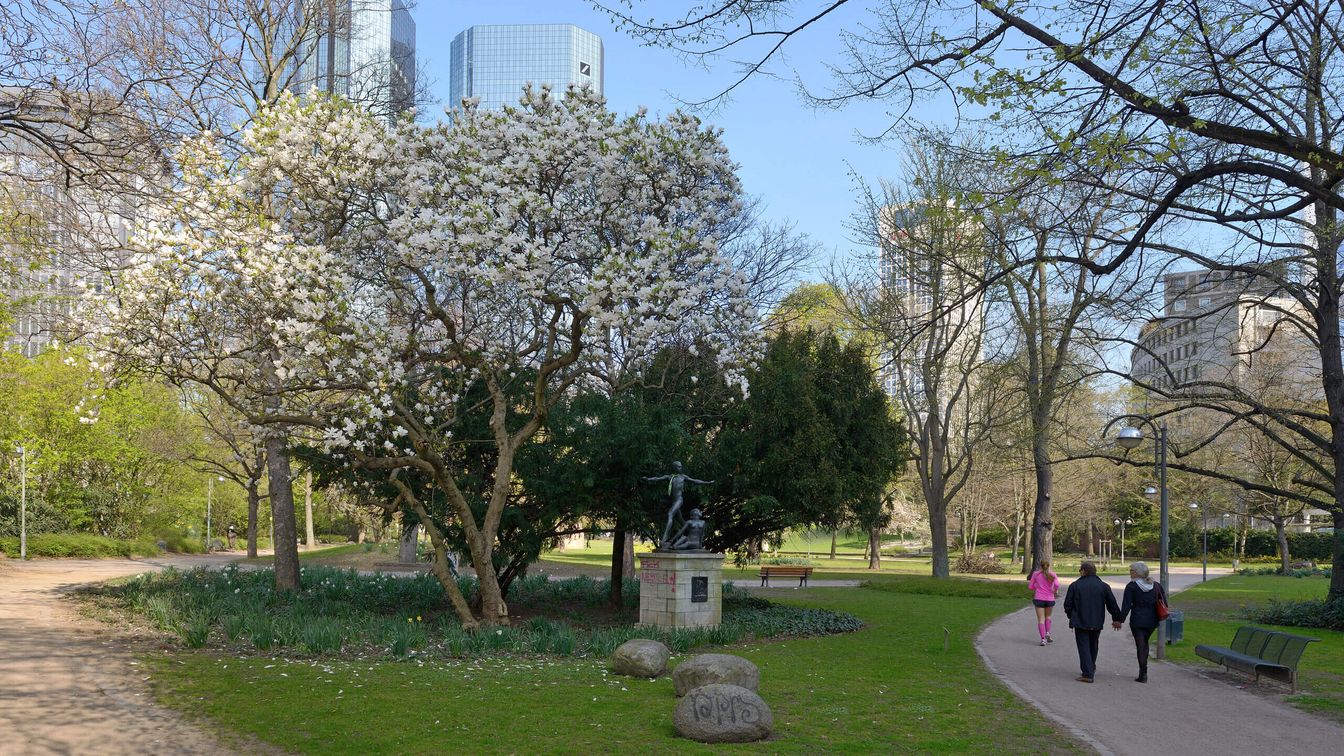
{"x": 493, "y": 63}
{"x": 930, "y": 292}
{"x": 1223, "y": 327}
{"x": 364, "y": 51}
{"x": 60, "y": 235}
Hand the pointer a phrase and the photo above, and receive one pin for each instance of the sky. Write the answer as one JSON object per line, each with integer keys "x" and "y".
{"x": 798, "y": 160}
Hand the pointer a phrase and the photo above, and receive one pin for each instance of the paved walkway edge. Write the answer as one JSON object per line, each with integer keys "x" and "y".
{"x": 1021, "y": 693}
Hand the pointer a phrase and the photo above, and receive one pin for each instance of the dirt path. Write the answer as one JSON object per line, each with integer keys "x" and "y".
{"x": 70, "y": 685}
{"x": 1178, "y": 712}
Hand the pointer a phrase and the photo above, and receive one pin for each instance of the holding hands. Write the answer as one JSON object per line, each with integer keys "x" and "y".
{"x": 1116, "y": 625}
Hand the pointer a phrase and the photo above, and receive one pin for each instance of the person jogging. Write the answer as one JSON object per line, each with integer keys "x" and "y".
{"x": 1044, "y": 586}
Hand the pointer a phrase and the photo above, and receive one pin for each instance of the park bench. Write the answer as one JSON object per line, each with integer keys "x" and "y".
{"x": 1257, "y": 651}
{"x": 780, "y": 570}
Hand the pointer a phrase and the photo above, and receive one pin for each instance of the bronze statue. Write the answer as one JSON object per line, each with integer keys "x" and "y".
{"x": 692, "y": 534}
{"x": 676, "y": 487}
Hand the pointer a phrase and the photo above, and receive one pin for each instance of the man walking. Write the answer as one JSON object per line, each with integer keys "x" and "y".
{"x": 1086, "y": 604}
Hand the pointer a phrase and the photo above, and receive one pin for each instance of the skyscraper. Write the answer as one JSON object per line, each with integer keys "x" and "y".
{"x": 366, "y": 53}
{"x": 494, "y": 62}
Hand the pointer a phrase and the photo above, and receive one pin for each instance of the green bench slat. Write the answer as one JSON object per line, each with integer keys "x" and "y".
{"x": 1243, "y": 638}
{"x": 1292, "y": 652}
{"x": 1214, "y": 654}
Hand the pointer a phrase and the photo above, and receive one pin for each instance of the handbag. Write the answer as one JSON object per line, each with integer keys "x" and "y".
{"x": 1162, "y": 611}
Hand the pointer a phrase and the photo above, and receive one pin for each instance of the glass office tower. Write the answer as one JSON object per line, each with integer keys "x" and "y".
{"x": 494, "y": 62}
{"x": 368, "y": 56}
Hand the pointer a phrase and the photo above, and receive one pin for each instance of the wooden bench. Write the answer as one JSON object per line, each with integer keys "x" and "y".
{"x": 784, "y": 570}
{"x": 1256, "y": 651}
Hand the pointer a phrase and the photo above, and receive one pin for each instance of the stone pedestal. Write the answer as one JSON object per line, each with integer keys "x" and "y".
{"x": 680, "y": 589}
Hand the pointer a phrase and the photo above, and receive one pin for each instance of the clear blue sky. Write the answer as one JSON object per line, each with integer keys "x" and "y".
{"x": 796, "y": 159}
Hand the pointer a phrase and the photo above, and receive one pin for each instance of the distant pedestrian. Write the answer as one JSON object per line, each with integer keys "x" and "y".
{"x": 1044, "y": 586}
{"x": 1141, "y": 597}
{"x": 1086, "y": 604}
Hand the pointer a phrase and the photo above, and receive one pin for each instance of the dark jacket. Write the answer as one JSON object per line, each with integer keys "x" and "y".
{"x": 1142, "y": 603}
{"x": 1088, "y": 600}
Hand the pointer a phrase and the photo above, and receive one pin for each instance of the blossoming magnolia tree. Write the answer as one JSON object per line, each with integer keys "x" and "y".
{"x": 521, "y": 245}
{"x": 386, "y": 272}
{"x": 208, "y": 300}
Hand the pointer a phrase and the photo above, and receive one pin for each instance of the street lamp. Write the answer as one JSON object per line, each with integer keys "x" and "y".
{"x": 1195, "y": 507}
{"x": 209, "y": 500}
{"x": 1129, "y": 438}
{"x": 23, "y": 502}
{"x": 1121, "y": 524}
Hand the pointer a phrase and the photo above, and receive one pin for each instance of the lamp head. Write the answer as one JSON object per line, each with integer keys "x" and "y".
{"x": 1149, "y": 491}
{"x": 1117, "y": 521}
{"x": 1129, "y": 438}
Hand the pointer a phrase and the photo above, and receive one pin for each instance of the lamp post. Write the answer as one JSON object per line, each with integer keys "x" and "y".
{"x": 1128, "y": 438}
{"x": 1194, "y": 506}
{"x": 23, "y": 503}
{"x": 209, "y": 500}
{"x": 209, "y": 497}
{"x": 1121, "y": 524}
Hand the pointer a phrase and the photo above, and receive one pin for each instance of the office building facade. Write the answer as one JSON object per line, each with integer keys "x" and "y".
{"x": 366, "y": 53}
{"x": 1223, "y": 327}
{"x": 493, "y": 63}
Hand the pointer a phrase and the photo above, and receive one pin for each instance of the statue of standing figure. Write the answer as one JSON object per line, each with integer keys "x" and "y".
{"x": 676, "y": 488}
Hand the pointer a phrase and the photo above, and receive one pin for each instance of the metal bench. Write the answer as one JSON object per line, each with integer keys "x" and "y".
{"x": 1257, "y": 651}
{"x": 783, "y": 570}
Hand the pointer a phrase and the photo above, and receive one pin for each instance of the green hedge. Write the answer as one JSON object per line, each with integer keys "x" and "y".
{"x": 77, "y": 545}
{"x": 1187, "y": 543}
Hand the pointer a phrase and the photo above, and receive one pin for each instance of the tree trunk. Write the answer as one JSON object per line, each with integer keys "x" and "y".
{"x": 834, "y": 535}
{"x": 1085, "y": 540}
{"x": 1281, "y": 535}
{"x": 1016, "y": 537}
{"x": 617, "y": 565}
{"x": 1043, "y": 526}
{"x": 410, "y": 538}
{"x": 253, "y": 506}
{"x": 875, "y": 548}
{"x": 284, "y": 537}
{"x": 1027, "y": 548}
{"x": 309, "y": 539}
{"x": 628, "y": 554}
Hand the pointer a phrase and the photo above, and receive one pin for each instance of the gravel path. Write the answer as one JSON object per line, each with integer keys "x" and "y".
{"x": 71, "y": 685}
{"x": 1178, "y": 712}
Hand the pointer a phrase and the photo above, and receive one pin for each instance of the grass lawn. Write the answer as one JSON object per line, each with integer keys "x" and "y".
{"x": 889, "y": 687}
{"x": 1214, "y": 611}
{"x": 360, "y": 556}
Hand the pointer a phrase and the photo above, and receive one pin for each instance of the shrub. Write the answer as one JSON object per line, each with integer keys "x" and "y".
{"x": 1297, "y": 573}
{"x": 77, "y": 545}
{"x": 1320, "y": 613}
{"x": 783, "y": 560}
{"x": 979, "y": 563}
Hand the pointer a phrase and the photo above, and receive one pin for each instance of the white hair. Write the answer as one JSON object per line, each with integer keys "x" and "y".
{"x": 1140, "y": 569}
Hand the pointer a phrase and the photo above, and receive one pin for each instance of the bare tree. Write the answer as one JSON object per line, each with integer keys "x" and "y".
{"x": 924, "y": 308}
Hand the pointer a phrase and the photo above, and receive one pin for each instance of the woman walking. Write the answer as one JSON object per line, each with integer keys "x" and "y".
{"x": 1141, "y": 597}
{"x": 1044, "y": 585}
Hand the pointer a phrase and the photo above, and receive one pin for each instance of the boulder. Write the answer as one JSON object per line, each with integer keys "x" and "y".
{"x": 718, "y": 713}
{"x": 707, "y": 669}
{"x": 640, "y": 658}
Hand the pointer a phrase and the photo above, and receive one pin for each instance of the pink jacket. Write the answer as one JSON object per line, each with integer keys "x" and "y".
{"x": 1045, "y": 585}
